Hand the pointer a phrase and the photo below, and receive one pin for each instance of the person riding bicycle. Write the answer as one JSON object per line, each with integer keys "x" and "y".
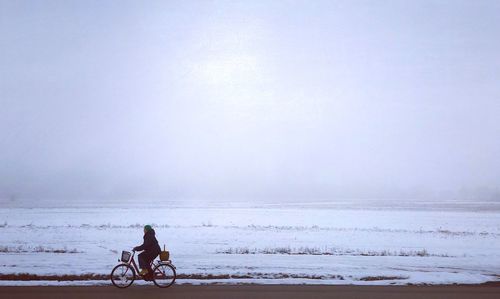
{"x": 151, "y": 250}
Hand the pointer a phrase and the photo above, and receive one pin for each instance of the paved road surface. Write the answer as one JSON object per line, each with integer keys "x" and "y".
{"x": 251, "y": 291}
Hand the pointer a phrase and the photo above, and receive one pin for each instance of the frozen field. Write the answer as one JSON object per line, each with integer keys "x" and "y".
{"x": 268, "y": 244}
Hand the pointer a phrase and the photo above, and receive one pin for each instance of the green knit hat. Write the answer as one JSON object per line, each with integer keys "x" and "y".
{"x": 147, "y": 227}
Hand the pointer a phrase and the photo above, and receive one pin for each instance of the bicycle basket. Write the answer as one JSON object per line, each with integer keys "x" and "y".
{"x": 126, "y": 256}
{"x": 164, "y": 255}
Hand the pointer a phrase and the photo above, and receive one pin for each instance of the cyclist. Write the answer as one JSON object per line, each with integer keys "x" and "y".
{"x": 151, "y": 250}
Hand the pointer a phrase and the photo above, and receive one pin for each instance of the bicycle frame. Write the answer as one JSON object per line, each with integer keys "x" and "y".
{"x": 136, "y": 268}
{"x": 132, "y": 261}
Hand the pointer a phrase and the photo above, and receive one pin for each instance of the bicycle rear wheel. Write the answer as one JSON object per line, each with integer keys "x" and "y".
{"x": 122, "y": 276}
{"x": 164, "y": 275}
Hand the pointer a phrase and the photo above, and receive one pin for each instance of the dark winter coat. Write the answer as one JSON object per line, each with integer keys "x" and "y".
{"x": 150, "y": 244}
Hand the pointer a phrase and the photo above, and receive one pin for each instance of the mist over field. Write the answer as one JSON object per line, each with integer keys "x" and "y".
{"x": 278, "y": 101}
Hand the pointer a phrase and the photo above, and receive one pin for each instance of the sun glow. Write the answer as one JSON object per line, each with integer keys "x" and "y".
{"x": 229, "y": 70}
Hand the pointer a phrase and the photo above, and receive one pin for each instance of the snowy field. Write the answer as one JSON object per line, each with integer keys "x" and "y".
{"x": 260, "y": 244}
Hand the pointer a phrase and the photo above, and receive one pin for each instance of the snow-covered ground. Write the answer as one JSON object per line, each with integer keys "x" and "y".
{"x": 266, "y": 244}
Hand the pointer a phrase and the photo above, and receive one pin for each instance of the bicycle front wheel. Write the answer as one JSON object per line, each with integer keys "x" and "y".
{"x": 122, "y": 276}
{"x": 164, "y": 275}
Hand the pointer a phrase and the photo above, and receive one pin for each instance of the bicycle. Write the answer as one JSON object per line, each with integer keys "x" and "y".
{"x": 124, "y": 274}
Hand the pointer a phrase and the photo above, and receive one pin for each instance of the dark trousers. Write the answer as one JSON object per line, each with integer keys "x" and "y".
{"x": 145, "y": 259}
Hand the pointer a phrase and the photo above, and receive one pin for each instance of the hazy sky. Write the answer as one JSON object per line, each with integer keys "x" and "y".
{"x": 249, "y": 99}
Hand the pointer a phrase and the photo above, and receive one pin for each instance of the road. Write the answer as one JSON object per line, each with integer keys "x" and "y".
{"x": 254, "y": 291}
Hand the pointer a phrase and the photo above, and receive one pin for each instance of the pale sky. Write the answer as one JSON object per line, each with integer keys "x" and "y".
{"x": 281, "y": 100}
